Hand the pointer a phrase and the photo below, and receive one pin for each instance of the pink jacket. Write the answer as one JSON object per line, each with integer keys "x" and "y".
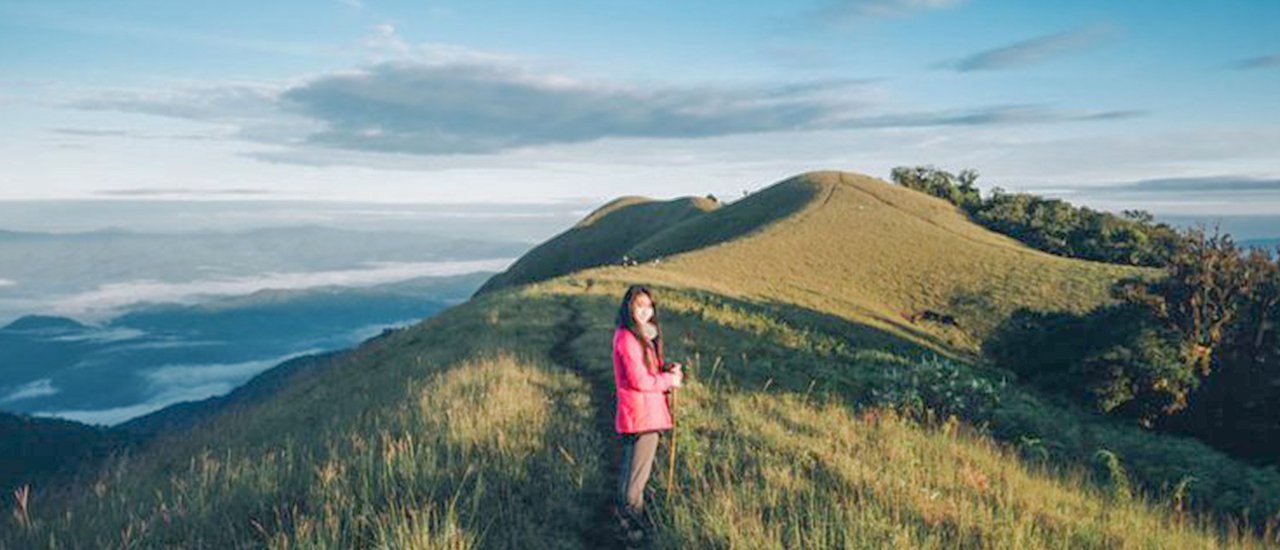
{"x": 642, "y": 402}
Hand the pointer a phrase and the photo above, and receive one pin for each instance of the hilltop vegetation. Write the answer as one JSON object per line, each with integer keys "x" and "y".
{"x": 1052, "y": 225}
{"x": 1190, "y": 352}
{"x": 821, "y": 410}
{"x": 1193, "y": 352}
{"x": 883, "y": 257}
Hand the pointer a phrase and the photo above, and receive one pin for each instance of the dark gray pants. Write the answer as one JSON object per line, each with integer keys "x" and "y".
{"x": 638, "y": 451}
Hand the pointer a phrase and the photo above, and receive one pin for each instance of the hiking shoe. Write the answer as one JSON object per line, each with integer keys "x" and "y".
{"x": 630, "y": 530}
{"x": 634, "y": 537}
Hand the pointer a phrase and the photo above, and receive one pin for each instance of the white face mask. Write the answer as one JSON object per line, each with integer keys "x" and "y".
{"x": 644, "y": 314}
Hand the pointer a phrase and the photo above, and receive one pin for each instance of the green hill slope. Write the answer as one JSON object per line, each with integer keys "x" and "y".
{"x": 603, "y": 237}
{"x": 489, "y": 424}
{"x": 854, "y": 247}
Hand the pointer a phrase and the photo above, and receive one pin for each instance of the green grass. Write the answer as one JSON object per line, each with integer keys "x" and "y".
{"x": 812, "y": 417}
{"x": 461, "y": 432}
{"x": 856, "y": 248}
{"x": 453, "y": 433}
{"x": 764, "y": 354}
{"x": 603, "y": 237}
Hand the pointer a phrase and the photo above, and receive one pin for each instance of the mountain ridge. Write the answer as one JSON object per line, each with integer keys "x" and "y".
{"x": 608, "y": 231}
{"x": 826, "y": 240}
{"x": 795, "y": 426}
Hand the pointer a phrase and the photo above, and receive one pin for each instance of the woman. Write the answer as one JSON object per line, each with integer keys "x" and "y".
{"x": 642, "y": 414}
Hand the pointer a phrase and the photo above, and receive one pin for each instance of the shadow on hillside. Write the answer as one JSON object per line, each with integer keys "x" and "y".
{"x": 645, "y": 229}
{"x": 859, "y": 335}
{"x": 738, "y": 219}
{"x": 798, "y": 349}
{"x": 604, "y": 241}
{"x": 802, "y": 355}
{"x": 851, "y": 334}
{"x": 1045, "y": 347}
{"x": 559, "y": 489}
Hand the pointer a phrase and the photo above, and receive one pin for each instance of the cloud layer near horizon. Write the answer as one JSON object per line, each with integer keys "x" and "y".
{"x": 175, "y": 383}
{"x": 110, "y": 298}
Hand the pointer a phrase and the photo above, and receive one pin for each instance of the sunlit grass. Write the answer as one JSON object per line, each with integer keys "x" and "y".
{"x": 460, "y": 433}
{"x": 781, "y": 446}
{"x": 801, "y": 424}
{"x": 844, "y": 244}
{"x": 778, "y": 471}
{"x": 492, "y": 448}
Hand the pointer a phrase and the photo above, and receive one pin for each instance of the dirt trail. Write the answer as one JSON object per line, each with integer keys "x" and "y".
{"x": 598, "y": 533}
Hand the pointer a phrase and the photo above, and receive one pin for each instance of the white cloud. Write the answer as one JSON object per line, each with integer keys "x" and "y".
{"x": 1226, "y": 193}
{"x": 38, "y": 388}
{"x": 438, "y": 100}
{"x": 437, "y": 107}
{"x": 107, "y": 417}
{"x": 8, "y": 282}
{"x": 163, "y": 344}
{"x": 175, "y": 383}
{"x": 448, "y": 111}
{"x": 174, "y": 378}
{"x": 109, "y": 297}
{"x": 105, "y": 335}
{"x": 384, "y": 39}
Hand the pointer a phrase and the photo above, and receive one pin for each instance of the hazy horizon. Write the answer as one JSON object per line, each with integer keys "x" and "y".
{"x": 528, "y": 222}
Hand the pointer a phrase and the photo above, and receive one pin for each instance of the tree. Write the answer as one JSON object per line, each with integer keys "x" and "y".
{"x": 1262, "y": 308}
{"x": 966, "y": 193}
{"x": 1052, "y": 225}
{"x": 1236, "y": 408}
{"x": 1140, "y": 216}
{"x": 1143, "y": 377}
{"x": 1205, "y": 285}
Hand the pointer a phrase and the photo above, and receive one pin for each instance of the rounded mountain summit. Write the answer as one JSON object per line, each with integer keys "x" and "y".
{"x": 840, "y": 243}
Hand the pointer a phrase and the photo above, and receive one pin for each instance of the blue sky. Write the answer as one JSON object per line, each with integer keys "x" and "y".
{"x": 1166, "y": 106}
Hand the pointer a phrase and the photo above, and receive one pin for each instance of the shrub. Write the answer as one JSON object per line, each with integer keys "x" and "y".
{"x": 939, "y": 386}
{"x": 1143, "y": 377}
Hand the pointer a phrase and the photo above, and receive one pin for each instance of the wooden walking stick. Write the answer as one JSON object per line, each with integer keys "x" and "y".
{"x": 671, "y": 455}
{"x": 671, "y": 449}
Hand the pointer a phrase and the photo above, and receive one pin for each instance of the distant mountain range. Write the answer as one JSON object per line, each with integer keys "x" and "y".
{"x": 160, "y": 354}
{"x": 93, "y": 276}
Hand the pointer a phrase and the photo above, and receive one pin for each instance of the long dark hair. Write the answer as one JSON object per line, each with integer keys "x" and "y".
{"x": 628, "y": 321}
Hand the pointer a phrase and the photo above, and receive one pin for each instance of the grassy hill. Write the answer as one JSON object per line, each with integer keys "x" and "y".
{"x": 815, "y": 416}
{"x": 604, "y": 237}
{"x": 856, "y": 248}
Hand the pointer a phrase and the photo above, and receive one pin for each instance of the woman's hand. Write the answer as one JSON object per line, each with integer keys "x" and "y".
{"x": 677, "y": 375}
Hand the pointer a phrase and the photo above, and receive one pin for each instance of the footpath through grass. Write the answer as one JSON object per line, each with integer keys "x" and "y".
{"x": 789, "y": 437}
{"x": 487, "y": 426}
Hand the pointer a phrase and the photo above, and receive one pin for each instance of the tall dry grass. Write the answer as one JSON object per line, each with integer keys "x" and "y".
{"x": 461, "y": 432}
